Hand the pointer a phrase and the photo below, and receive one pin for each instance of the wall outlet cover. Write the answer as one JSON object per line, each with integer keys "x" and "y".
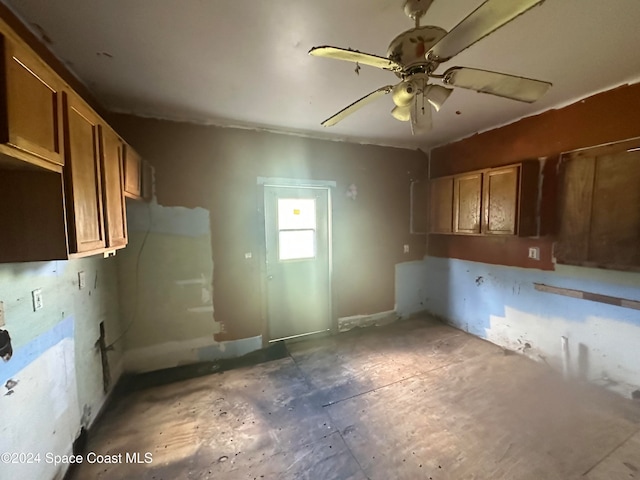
{"x": 81, "y": 280}
{"x": 534, "y": 253}
{"x": 37, "y": 299}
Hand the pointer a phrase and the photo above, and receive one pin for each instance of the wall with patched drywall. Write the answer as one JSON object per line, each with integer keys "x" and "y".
{"x": 165, "y": 285}
{"x": 485, "y": 284}
{"x": 53, "y": 384}
{"x": 216, "y": 169}
{"x": 501, "y": 304}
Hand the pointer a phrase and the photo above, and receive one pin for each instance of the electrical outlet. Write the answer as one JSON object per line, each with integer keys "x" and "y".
{"x": 37, "y": 299}
{"x": 406, "y": 249}
{"x": 2, "y": 314}
{"x": 81, "y": 280}
{"x": 534, "y": 252}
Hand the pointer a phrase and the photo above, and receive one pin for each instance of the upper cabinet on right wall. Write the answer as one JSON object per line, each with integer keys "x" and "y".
{"x": 599, "y": 207}
{"x": 501, "y": 201}
{"x": 496, "y": 201}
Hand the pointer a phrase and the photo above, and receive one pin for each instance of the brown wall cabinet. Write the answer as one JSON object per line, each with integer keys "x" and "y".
{"x": 441, "y": 218}
{"x": 138, "y": 176}
{"x": 31, "y": 114}
{"x": 132, "y": 173}
{"x": 112, "y": 173}
{"x": 496, "y": 201}
{"x": 82, "y": 176}
{"x": 599, "y": 207}
{"x": 62, "y": 168}
{"x": 501, "y": 201}
{"x": 467, "y": 203}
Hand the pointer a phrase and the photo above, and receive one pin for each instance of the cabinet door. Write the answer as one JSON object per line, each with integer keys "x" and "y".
{"x": 501, "y": 200}
{"x": 112, "y": 169}
{"x": 33, "y": 109}
{"x": 132, "y": 173}
{"x": 82, "y": 175}
{"x": 467, "y": 202}
{"x": 441, "y": 205}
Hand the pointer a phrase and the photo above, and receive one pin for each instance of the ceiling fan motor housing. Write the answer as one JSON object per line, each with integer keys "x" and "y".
{"x": 410, "y": 47}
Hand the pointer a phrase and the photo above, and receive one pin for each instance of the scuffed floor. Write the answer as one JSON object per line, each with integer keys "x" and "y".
{"x": 412, "y": 400}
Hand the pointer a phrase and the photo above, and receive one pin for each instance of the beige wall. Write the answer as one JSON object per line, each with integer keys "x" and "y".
{"x": 217, "y": 168}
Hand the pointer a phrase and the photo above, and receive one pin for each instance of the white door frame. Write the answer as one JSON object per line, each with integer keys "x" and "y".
{"x": 327, "y": 185}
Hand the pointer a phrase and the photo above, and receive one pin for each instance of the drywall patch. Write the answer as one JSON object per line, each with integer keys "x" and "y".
{"x": 411, "y": 292}
{"x": 600, "y": 350}
{"x": 231, "y": 348}
{"x": 507, "y": 310}
{"x": 53, "y": 422}
{"x": 176, "y": 353}
{"x": 155, "y": 218}
{"x": 31, "y": 351}
{"x": 166, "y": 287}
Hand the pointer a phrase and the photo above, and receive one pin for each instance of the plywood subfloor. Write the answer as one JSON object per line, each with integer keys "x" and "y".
{"x": 411, "y": 400}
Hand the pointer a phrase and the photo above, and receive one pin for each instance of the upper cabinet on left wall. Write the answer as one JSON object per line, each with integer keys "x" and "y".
{"x": 61, "y": 165}
{"x": 31, "y": 104}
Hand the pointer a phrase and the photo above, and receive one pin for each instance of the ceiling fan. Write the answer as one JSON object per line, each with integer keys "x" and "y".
{"x": 414, "y": 56}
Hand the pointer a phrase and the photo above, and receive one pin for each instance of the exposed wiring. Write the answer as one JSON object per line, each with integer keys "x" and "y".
{"x": 137, "y": 284}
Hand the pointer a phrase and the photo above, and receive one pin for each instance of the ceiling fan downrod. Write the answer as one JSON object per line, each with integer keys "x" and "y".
{"x": 416, "y": 9}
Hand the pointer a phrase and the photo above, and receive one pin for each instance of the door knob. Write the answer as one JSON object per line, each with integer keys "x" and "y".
{"x": 270, "y": 277}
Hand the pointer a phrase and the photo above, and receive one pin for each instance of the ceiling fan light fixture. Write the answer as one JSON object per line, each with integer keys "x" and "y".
{"x": 402, "y": 113}
{"x": 403, "y": 93}
{"x": 437, "y": 95}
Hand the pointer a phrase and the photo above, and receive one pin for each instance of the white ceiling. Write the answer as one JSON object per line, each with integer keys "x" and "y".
{"x": 245, "y": 62}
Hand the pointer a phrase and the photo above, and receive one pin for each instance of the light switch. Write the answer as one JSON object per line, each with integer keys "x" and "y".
{"x": 406, "y": 249}
{"x": 81, "y": 280}
{"x": 534, "y": 253}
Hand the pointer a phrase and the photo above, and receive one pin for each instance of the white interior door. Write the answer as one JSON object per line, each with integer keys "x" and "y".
{"x": 298, "y": 261}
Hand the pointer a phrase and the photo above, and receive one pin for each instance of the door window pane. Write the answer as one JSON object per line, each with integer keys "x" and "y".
{"x": 297, "y": 244}
{"x": 296, "y": 213}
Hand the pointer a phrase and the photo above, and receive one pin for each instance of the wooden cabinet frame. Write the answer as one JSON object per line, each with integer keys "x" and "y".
{"x": 494, "y": 201}
{"x": 61, "y": 165}
{"x": 441, "y": 205}
{"x": 467, "y": 203}
{"x": 30, "y": 107}
{"x": 82, "y": 176}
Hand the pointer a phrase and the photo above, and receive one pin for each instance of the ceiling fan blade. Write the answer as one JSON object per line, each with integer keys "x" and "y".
{"x": 420, "y": 115}
{"x": 485, "y": 19}
{"x": 345, "y": 112}
{"x": 500, "y": 84}
{"x": 354, "y": 56}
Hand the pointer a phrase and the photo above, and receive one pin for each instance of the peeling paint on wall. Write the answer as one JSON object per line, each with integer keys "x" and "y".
{"x": 55, "y": 366}
{"x": 507, "y": 310}
{"x": 411, "y": 294}
{"x": 166, "y": 292}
